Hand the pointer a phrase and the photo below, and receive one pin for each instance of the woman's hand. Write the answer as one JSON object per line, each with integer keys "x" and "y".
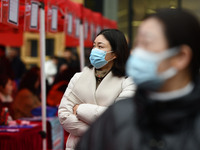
{"x": 75, "y": 108}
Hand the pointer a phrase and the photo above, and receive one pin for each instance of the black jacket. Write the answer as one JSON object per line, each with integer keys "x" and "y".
{"x": 144, "y": 124}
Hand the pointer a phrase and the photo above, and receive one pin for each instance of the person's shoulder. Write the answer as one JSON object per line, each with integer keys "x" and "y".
{"x": 23, "y": 94}
{"x": 24, "y": 91}
{"x": 87, "y": 69}
{"x": 77, "y": 75}
{"x": 196, "y": 126}
{"x": 124, "y": 103}
{"x": 122, "y": 110}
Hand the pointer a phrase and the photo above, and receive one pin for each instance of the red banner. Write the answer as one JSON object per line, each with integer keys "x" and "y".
{"x": 11, "y": 38}
{"x": 113, "y": 24}
{"x": 61, "y": 19}
{"x": 106, "y": 23}
{"x": 73, "y": 15}
{"x": 60, "y": 15}
{"x": 11, "y": 28}
{"x": 87, "y": 23}
{"x": 98, "y": 22}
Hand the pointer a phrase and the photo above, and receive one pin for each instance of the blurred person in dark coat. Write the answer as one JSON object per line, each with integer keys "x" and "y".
{"x": 17, "y": 64}
{"x": 165, "y": 111}
{"x": 5, "y": 65}
{"x": 28, "y": 96}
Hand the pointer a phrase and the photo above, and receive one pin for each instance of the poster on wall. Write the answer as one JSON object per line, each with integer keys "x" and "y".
{"x": 34, "y": 15}
{"x": 85, "y": 29}
{"x": 10, "y": 12}
{"x": 13, "y": 11}
{"x": 77, "y": 21}
{"x": 92, "y": 31}
{"x": 70, "y": 23}
{"x": 31, "y": 16}
{"x": 54, "y": 18}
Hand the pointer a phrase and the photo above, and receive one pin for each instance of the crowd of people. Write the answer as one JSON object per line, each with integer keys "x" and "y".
{"x": 20, "y": 91}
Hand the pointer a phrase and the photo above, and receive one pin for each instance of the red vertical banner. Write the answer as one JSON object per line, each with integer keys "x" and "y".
{"x": 10, "y": 12}
{"x": 98, "y": 22}
{"x": 77, "y": 26}
{"x": 72, "y": 22}
{"x": 12, "y": 23}
{"x": 106, "y": 23}
{"x": 87, "y": 23}
{"x": 31, "y": 16}
{"x": 69, "y": 19}
{"x": 78, "y": 19}
{"x": 92, "y": 31}
{"x": 113, "y": 24}
{"x": 61, "y": 18}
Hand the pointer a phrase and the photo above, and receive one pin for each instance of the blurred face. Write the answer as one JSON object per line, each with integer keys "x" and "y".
{"x": 153, "y": 65}
{"x": 67, "y": 54}
{"x": 151, "y": 38}
{"x": 101, "y": 43}
{"x": 2, "y": 52}
{"x": 8, "y": 88}
{"x": 11, "y": 53}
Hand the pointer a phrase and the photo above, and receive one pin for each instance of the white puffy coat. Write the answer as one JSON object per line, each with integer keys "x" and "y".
{"x": 92, "y": 102}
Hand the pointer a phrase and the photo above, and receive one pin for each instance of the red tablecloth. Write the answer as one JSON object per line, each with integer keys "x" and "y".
{"x": 55, "y": 132}
{"x": 21, "y": 139}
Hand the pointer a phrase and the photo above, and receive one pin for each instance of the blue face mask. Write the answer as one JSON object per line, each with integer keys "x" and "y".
{"x": 97, "y": 58}
{"x": 142, "y": 66}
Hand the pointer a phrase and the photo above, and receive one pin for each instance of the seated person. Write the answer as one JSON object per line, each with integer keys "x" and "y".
{"x": 6, "y": 88}
{"x": 28, "y": 96}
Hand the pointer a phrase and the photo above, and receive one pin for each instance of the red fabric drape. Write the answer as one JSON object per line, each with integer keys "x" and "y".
{"x": 72, "y": 19}
{"x": 70, "y": 15}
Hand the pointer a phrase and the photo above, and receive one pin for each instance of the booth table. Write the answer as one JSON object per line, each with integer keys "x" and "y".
{"x": 22, "y": 138}
{"x": 28, "y": 137}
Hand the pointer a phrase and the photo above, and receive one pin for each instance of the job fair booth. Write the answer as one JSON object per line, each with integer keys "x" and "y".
{"x": 41, "y": 29}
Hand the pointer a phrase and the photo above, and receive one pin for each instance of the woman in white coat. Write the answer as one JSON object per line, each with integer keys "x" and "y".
{"x": 103, "y": 83}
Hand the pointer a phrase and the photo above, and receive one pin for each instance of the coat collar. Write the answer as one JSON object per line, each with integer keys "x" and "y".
{"x": 166, "y": 116}
{"x": 106, "y": 93}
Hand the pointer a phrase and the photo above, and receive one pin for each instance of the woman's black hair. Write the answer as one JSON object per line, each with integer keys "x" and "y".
{"x": 181, "y": 28}
{"x": 3, "y": 80}
{"x": 29, "y": 79}
{"x": 119, "y": 46}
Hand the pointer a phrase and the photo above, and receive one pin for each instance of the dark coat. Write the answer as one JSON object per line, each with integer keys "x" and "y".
{"x": 144, "y": 124}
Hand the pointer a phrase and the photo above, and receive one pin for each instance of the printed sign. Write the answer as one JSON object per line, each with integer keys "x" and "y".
{"x": 54, "y": 19}
{"x": 13, "y": 11}
{"x": 70, "y": 23}
{"x": 34, "y": 15}
{"x": 77, "y": 27}
{"x": 85, "y": 29}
